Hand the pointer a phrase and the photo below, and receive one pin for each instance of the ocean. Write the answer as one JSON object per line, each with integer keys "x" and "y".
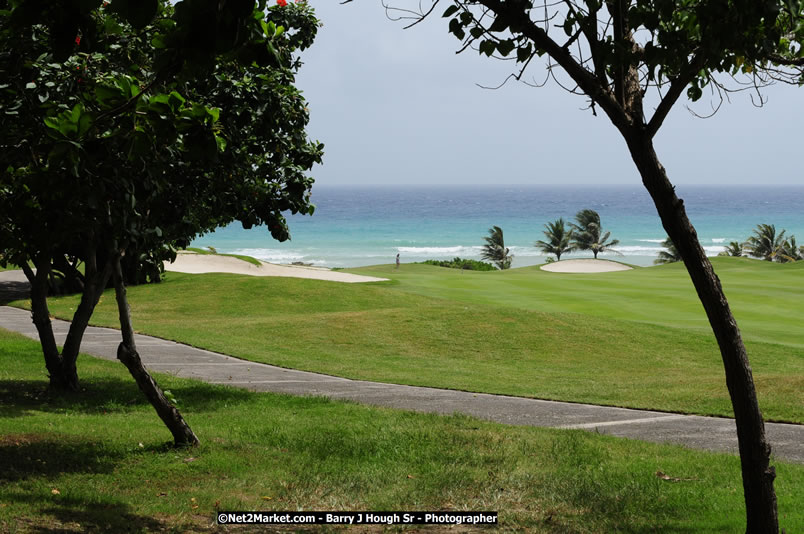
{"x": 356, "y": 225}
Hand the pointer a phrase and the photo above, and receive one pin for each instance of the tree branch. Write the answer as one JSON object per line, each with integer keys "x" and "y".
{"x": 596, "y": 88}
{"x": 670, "y": 98}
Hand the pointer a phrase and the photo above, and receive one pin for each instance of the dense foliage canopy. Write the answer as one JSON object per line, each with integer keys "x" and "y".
{"x": 116, "y": 147}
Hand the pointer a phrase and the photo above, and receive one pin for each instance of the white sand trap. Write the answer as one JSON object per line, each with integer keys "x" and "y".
{"x": 188, "y": 262}
{"x": 584, "y": 266}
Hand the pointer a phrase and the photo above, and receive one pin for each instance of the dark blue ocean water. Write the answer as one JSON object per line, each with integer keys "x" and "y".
{"x": 354, "y": 226}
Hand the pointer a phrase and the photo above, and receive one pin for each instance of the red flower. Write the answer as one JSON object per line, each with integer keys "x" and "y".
{"x": 78, "y": 39}
{"x": 282, "y": 3}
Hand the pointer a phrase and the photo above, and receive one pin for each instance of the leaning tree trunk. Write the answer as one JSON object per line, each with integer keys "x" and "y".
{"x": 128, "y": 355}
{"x": 94, "y": 283}
{"x": 758, "y": 475}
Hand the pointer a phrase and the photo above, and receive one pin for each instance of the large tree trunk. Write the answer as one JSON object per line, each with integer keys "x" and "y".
{"x": 758, "y": 475}
{"x": 128, "y": 355}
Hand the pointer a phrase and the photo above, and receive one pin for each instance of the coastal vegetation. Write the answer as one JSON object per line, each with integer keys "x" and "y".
{"x": 96, "y": 462}
{"x": 769, "y": 245}
{"x": 734, "y": 249}
{"x": 460, "y": 263}
{"x": 495, "y": 250}
{"x": 670, "y": 254}
{"x": 588, "y": 234}
{"x": 558, "y": 239}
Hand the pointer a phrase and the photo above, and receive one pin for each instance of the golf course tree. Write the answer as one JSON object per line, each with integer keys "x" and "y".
{"x": 558, "y": 239}
{"x": 495, "y": 250}
{"x": 632, "y": 60}
{"x": 767, "y": 243}
{"x": 587, "y": 233}
{"x": 670, "y": 254}
{"x": 734, "y": 249}
{"x": 133, "y": 141}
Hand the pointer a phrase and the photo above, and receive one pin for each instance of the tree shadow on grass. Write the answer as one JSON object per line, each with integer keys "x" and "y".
{"x": 110, "y": 395}
{"x": 62, "y": 514}
{"x": 24, "y": 456}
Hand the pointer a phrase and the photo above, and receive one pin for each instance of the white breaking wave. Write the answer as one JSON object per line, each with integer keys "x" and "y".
{"x": 718, "y": 239}
{"x": 270, "y": 255}
{"x": 651, "y": 240}
{"x": 652, "y": 251}
{"x": 458, "y": 250}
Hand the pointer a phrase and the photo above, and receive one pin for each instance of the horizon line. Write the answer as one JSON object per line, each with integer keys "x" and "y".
{"x": 561, "y": 185}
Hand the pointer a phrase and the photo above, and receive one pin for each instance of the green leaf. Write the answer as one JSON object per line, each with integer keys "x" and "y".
{"x": 498, "y": 25}
{"x": 108, "y": 95}
{"x": 523, "y": 53}
{"x": 451, "y": 10}
{"x": 175, "y": 100}
{"x": 456, "y": 28}
{"x": 30, "y": 85}
{"x": 505, "y": 47}
{"x": 488, "y": 47}
{"x": 221, "y": 142}
{"x": 84, "y": 123}
{"x": 694, "y": 93}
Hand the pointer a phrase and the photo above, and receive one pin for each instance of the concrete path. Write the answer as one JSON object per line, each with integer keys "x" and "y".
{"x": 710, "y": 433}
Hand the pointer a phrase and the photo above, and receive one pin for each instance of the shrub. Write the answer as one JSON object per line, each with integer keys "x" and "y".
{"x": 458, "y": 263}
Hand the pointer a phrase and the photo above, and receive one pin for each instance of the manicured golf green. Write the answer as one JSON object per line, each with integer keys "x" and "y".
{"x": 474, "y": 336}
{"x": 98, "y": 461}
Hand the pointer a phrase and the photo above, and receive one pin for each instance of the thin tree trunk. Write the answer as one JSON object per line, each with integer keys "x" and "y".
{"x": 127, "y": 353}
{"x": 758, "y": 475}
{"x": 41, "y": 319}
{"x": 94, "y": 283}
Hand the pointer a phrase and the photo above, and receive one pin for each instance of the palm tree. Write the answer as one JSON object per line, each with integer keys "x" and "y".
{"x": 495, "y": 251}
{"x": 735, "y": 249}
{"x": 587, "y": 233}
{"x": 558, "y": 239}
{"x": 791, "y": 251}
{"x": 766, "y": 243}
{"x": 670, "y": 255}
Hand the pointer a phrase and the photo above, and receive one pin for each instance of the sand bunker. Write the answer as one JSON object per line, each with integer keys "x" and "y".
{"x": 188, "y": 262}
{"x": 584, "y": 266}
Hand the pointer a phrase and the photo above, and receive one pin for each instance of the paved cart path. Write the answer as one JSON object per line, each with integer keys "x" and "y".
{"x": 710, "y": 433}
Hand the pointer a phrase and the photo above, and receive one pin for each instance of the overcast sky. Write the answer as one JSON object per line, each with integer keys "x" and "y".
{"x": 397, "y": 107}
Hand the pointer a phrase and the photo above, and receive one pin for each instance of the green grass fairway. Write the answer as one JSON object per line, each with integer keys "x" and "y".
{"x": 97, "y": 461}
{"x": 765, "y": 297}
{"x": 471, "y": 336}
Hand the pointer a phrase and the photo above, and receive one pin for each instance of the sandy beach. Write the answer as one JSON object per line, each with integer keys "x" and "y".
{"x": 189, "y": 262}
{"x": 584, "y": 266}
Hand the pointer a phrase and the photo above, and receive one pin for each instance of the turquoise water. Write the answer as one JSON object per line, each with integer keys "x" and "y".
{"x": 356, "y": 226}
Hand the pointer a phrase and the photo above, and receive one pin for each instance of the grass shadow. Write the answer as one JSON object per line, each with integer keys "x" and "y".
{"x": 24, "y": 456}
{"x": 62, "y": 514}
{"x": 110, "y": 395}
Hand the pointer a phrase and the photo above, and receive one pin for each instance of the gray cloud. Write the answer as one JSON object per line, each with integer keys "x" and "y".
{"x": 398, "y": 106}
